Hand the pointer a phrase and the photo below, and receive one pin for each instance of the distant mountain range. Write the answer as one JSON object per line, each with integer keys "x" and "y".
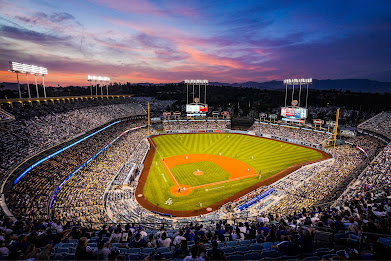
{"x": 356, "y": 85}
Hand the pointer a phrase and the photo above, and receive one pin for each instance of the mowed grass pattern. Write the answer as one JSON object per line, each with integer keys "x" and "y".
{"x": 212, "y": 173}
{"x": 263, "y": 155}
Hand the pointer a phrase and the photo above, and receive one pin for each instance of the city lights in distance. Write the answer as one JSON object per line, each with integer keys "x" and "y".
{"x": 28, "y": 68}
{"x": 98, "y": 78}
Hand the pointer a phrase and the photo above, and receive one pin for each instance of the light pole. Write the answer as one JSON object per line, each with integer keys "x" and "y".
{"x": 28, "y": 86}
{"x": 36, "y": 85}
{"x": 43, "y": 84}
{"x": 17, "y": 77}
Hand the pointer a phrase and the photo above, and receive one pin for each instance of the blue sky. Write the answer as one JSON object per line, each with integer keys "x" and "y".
{"x": 169, "y": 41}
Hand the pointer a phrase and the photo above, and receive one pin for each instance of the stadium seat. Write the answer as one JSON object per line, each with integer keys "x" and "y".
{"x": 267, "y": 245}
{"x": 252, "y": 256}
{"x": 93, "y": 240}
{"x": 221, "y": 244}
{"x": 328, "y": 256}
{"x": 58, "y": 257}
{"x": 147, "y": 250}
{"x": 269, "y": 254}
{"x": 134, "y": 257}
{"x": 255, "y": 248}
{"x": 244, "y": 242}
{"x": 162, "y": 249}
{"x": 309, "y": 254}
{"x": 286, "y": 257}
{"x": 227, "y": 250}
{"x": 324, "y": 251}
{"x": 69, "y": 257}
{"x": 167, "y": 255}
{"x": 312, "y": 258}
{"x": 73, "y": 241}
{"x": 64, "y": 245}
{"x": 235, "y": 257}
{"x": 92, "y": 245}
{"x": 241, "y": 249}
{"x": 341, "y": 253}
{"x": 134, "y": 250}
{"x": 384, "y": 241}
{"x": 122, "y": 250}
{"x": 231, "y": 243}
{"x": 62, "y": 250}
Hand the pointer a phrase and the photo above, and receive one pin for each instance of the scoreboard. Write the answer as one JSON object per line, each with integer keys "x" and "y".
{"x": 196, "y": 108}
{"x": 294, "y": 113}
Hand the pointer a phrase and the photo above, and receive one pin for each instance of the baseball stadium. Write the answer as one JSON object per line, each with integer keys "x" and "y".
{"x": 183, "y": 170}
{"x": 193, "y": 130}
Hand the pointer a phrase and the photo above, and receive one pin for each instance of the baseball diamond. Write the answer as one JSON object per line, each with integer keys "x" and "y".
{"x": 231, "y": 166}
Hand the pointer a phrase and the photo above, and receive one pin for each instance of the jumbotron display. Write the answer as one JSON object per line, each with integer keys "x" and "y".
{"x": 294, "y": 113}
{"x": 196, "y": 109}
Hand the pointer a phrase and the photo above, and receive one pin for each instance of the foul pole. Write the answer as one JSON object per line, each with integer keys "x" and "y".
{"x": 336, "y": 130}
{"x": 149, "y": 119}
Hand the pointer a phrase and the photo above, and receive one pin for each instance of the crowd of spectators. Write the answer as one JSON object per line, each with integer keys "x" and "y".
{"x": 31, "y": 195}
{"x": 374, "y": 182}
{"x": 195, "y": 125}
{"x": 81, "y": 197}
{"x": 381, "y": 124}
{"x": 40, "y": 127}
{"x": 338, "y": 233}
{"x": 310, "y": 136}
{"x": 321, "y": 182}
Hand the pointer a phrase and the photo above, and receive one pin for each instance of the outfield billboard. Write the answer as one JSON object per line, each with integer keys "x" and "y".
{"x": 294, "y": 112}
{"x": 196, "y": 115}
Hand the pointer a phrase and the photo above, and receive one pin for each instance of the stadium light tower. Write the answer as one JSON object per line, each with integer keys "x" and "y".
{"x": 199, "y": 83}
{"x": 293, "y": 82}
{"x": 29, "y": 69}
{"x": 98, "y": 79}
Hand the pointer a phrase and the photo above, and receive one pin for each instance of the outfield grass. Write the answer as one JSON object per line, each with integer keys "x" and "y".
{"x": 263, "y": 155}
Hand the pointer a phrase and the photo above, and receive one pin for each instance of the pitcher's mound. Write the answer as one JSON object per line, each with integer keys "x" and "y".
{"x": 198, "y": 173}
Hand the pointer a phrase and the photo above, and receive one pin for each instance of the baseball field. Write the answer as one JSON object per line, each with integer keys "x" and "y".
{"x": 190, "y": 172}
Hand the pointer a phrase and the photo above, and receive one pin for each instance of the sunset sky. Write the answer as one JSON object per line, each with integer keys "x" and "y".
{"x": 169, "y": 41}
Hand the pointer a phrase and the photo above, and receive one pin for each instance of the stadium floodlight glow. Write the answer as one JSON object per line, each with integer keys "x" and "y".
{"x": 29, "y": 69}
{"x": 297, "y": 81}
{"x": 98, "y": 78}
{"x": 196, "y": 81}
{"x": 91, "y": 78}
